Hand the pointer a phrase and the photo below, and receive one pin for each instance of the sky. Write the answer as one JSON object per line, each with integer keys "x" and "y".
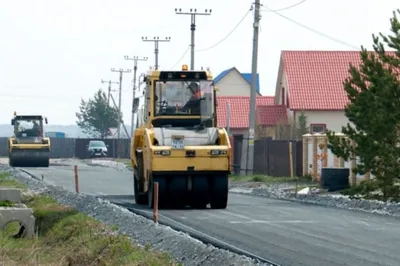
{"x": 53, "y": 53}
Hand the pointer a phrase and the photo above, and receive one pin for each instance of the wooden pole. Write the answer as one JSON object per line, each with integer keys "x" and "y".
{"x": 155, "y": 209}
{"x": 76, "y": 179}
{"x": 291, "y": 158}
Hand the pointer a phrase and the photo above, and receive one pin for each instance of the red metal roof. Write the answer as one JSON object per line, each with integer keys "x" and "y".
{"x": 315, "y": 78}
{"x": 271, "y": 115}
{"x": 240, "y": 110}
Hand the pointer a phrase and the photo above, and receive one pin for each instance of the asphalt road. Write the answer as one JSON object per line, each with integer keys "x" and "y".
{"x": 284, "y": 232}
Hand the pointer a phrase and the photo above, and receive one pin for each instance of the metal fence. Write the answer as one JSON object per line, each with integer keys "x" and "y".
{"x": 271, "y": 157}
{"x": 70, "y": 147}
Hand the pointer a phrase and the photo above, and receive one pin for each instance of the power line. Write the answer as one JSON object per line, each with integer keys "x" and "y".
{"x": 229, "y": 34}
{"x": 180, "y": 59}
{"x": 313, "y": 30}
{"x": 286, "y": 8}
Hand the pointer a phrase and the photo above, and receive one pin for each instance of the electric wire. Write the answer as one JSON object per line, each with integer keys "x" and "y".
{"x": 182, "y": 56}
{"x": 286, "y": 8}
{"x": 242, "y": 19}
{"x": 229, "y": 34}
{"x": 313, "y": 30}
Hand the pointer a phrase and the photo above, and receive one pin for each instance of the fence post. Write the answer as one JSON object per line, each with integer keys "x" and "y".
{"x": 76, "y": 179}
{"x": 291, "y": 158}
{"x": 155, "y": 205}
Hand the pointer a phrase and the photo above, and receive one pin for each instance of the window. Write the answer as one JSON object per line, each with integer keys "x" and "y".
{"x": 28, "y": 127}
{"x": 97, "y": 144}
{"x": 318, "y": 128}
{"x": 186, "y": 97}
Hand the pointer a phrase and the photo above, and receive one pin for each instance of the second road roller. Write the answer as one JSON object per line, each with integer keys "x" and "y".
{"x": 28, "y": 146}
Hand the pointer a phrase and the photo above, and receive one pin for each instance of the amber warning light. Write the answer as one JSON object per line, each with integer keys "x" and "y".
{"x": 185, "y": 67}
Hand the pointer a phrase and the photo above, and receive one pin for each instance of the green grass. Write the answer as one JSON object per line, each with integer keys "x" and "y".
{"x": 67, "y": 237}
{"x": 5, "y": 181}
{"x": 270, "y": 179}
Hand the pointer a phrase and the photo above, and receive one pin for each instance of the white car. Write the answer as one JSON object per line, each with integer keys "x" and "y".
{"x": 96, "y": 148}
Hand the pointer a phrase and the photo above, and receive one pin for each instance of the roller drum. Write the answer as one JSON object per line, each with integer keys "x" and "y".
{"x": 29, "y": 158}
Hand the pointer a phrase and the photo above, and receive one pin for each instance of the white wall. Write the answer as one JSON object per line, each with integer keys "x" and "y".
{"x": 233, "y": 84}
{"x": 334, "y": 120}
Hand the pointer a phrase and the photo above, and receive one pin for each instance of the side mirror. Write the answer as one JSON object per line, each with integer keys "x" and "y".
{"x": 135, "y": 105}
{"x": 45, "y": 120}
{"x": 144, "y": 79}
{"x": 12, "y": 122}
{"x": 107, "y": 146}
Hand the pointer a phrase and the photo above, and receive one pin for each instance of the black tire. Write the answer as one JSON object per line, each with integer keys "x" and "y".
{"x": 150, "y": 194}
{"x": 140, "y": 197}
{"x": 219, "y": 192}
{"x": 200, "y": 192}
{"x": 162, "y": 192}
{"x": 177, "y": 192}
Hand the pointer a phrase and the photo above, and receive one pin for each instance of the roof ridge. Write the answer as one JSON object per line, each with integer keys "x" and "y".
{"x": 321, "y": 51}
{"x": 241, "y": 96}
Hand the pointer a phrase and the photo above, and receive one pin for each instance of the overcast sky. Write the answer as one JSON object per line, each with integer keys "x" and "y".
{"x": 52, "y": 53}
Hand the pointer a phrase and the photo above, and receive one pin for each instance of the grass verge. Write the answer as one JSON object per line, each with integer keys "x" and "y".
{"x": 67, "y": 237}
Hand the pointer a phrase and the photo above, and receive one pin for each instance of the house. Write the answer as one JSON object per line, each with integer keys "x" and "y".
{"x": 268, "y": 118}
{"x": 312, "y": 81}
{"x": 240, "y": 109}
{"x": 231, "y": 82}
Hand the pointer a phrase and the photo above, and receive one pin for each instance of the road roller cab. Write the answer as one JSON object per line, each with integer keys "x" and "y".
{"x": 28, "y": 146}
{"x": 178, "y": 145}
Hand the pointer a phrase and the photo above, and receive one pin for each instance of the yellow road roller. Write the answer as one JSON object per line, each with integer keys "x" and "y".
{"x": 28, "y": 147}
{"x": 178, "y": 144}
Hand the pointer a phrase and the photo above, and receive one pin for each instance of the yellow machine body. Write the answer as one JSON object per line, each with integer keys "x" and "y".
{"x": 28, "y": 146}
{"x": 180, "y": 147}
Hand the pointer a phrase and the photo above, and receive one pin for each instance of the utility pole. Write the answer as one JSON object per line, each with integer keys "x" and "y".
{"x": 156, "y": 40}
{"x": 228, "y": 117}
{"x": 252, "y": 116}
{"x": 121, "y": 71}
{"x": 193, "y": 13}
{"x": 109, "y": 89}
{"x": 135, "y": 63}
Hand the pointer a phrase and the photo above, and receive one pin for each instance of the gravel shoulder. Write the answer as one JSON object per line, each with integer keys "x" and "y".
{"x": 142, "y": 231}
{"x": 284, "y": 191}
